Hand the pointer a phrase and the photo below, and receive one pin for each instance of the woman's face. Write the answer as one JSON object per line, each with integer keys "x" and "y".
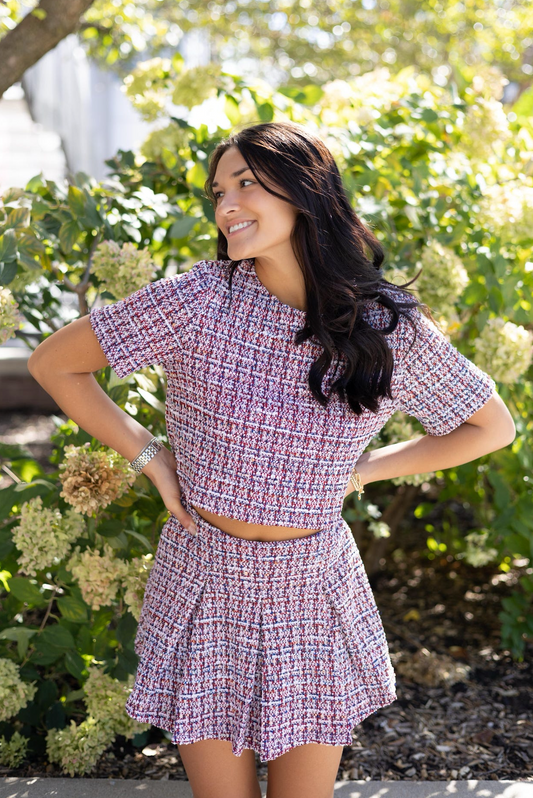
{"x": 241, "y": 198}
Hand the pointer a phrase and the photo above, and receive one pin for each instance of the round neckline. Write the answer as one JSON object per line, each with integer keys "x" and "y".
{"x": 249, "y": 266}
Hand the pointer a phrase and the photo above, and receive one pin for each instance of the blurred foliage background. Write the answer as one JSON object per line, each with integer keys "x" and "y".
{"x": 428, "y": 111}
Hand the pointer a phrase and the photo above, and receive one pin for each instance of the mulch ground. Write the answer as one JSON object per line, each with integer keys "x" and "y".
{"x": 464, "y": 707}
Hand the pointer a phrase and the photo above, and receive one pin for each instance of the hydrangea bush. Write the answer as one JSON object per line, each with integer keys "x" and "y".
{"x": 77, "y": 543}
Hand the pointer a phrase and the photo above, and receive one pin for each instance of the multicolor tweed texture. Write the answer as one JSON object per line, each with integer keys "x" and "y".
{"x": 267, "y": 644}
{"x": 250, "y": 440}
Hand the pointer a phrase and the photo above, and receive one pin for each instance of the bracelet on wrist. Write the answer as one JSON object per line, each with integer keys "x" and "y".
{"x": 145, "y": 455}
{"x": 355, "y": 479}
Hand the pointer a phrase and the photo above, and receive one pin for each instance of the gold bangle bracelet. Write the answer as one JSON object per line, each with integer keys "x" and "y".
{"x": 355, "y": 479}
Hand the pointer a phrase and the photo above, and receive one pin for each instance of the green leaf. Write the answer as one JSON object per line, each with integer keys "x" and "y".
{"x": 22, "y": 636}
{"x": 144, "y": 540}
{"x": 7, "y": 500}
{"x": 153, "y": 401}
{"x": 72, "y": 609}
{"x": 76, "y": 201}
{"x": 57, "y": 636}
{"x": 69, "y": 232}
{"x": 18, "y": 217}
{"x": 75, "y": 664}
{"x": 183, "y": 226}
{"x": 8, "y": 272}
{"x": 8, "y": 246}
{"x": 24, "y": 590}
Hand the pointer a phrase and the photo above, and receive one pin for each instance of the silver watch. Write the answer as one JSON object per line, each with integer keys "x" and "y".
{"x": 144, "y": 457}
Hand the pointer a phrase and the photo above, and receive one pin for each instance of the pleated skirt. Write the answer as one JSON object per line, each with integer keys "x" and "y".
{"x": 267, "y": 644}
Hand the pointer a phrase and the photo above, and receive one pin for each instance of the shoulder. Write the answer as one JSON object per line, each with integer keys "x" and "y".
{"x": 200, "y": 282}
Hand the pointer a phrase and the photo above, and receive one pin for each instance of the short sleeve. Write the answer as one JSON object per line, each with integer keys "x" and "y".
{"x": 150, "y": 326}
{"x": 436, "y": 383}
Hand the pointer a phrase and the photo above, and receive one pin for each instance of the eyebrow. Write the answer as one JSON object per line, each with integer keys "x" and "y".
{"x": 236, "y": 174}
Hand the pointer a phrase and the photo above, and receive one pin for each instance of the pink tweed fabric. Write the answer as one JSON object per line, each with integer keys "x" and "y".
{"x": 267, "y": 644}
{"x": 250, "y": 440}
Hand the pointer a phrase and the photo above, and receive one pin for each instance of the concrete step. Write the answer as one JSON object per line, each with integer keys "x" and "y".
{"x": 37, "y": 787}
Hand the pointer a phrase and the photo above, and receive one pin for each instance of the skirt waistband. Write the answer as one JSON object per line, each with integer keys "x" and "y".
{"x": 266, "y": 558}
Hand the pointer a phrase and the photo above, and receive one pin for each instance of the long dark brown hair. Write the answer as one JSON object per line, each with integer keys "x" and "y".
{"x": 341, "y": 259}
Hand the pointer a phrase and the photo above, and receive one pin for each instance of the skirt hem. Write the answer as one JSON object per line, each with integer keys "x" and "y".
{"x": 378, "y": 702}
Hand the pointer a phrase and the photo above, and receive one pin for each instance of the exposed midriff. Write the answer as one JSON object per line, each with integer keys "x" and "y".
{"x": 247, "y": 531}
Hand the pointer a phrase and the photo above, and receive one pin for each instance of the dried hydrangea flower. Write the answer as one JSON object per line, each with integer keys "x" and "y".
{"x": 92, "y": 480}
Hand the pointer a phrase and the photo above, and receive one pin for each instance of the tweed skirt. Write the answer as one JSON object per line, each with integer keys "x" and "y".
{"x": 267, "y": 644}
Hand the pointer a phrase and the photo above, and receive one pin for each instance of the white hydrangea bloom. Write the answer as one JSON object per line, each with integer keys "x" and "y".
{"x": 105, "y": 698}
{"x": 123, "y": 269}
{"x": 361, "y": 99}
{"x": 504, "y": 350}
{"x": 172, "y": 137}
{"x": 13, "y": 751}
{"x": 195, "y": 85}
{"x": 380, "y": 529}
{"x": 78, "y": 748}
{"x": 477, "y": 553}
{"x": 44, "y": 536}
{"x": 135, "y": 583}
{"x": 10, "y": 319}
{"x": 98, "y": 575}
{"x": 146, "y": 87}
{"x": 14, "y": 693}
{"x": 506, "y": 209}
{"x": 443, "y": 278}
{"x": 485, "y": 126}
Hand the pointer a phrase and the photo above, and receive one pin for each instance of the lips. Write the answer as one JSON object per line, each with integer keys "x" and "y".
{"x": 234, "y": 233}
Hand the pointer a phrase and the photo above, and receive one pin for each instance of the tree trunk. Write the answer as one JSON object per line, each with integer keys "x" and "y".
{"x": 23, "y": 46}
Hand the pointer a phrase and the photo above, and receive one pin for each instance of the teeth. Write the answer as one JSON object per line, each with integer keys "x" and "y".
{"x": 239, "y": 226}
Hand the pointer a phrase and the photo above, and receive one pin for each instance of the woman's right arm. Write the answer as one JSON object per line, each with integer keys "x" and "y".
{"x": 63, "y": 364}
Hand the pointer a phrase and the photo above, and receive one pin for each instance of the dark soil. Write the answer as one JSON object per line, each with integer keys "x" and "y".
{"x": 464, "y": 707}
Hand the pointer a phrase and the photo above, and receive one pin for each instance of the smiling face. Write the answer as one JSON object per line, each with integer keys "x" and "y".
{"x": 241, "y": 198}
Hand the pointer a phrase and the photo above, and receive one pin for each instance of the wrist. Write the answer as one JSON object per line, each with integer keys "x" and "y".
{"x": 161, "y": 461}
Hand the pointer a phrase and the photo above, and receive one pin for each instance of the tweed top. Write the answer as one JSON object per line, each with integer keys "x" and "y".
{"x": 250, "y": 440}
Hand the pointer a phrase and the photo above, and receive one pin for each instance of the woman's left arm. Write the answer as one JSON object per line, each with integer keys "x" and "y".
{"x": 490, "y": 428}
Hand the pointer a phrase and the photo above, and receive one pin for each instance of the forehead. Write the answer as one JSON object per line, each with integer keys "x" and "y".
{"x": 230, "y": 162}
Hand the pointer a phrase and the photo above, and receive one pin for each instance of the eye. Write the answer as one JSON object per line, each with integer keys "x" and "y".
{"x": 243, "y": 180}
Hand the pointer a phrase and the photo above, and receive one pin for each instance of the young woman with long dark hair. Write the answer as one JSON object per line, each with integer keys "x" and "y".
{"x": 284, "y": 356}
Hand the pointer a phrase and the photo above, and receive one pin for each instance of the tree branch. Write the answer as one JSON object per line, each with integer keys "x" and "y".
{"x": 33, "y": 37}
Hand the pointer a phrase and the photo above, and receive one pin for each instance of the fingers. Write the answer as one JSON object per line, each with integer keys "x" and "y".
{"x": 185, "y": 519}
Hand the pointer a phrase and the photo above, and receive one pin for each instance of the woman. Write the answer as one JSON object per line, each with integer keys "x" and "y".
{"x": 284, "y": 356}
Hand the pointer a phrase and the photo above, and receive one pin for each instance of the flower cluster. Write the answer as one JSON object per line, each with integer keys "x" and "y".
{"x": 485, "y": 125}
{"x": 172, "y": 137}
{"x": 362, "y": 99}
{"x": 442, "y": 280}
{"x": 14, "y": 693}
{"x": 105, "y": 698}
{"x": 10, "y": 318}
{"x": 78, "y": 748}
{"x": 380, "y": 529}
{"x": 504, "y": 350}
{"x": 98, "y": 575}
{"x": 44, "y": 535}
{"x": 477, "y": 553}
{"x": 13, "y": 751}
{"x": 195, "y": 85}
{"x": 146, "y": 87}
{"x": 92, "y": 480}
{"x": 506, "y": 209}
{"x": 123, "y": 269}
{"x": 135, "y": 583}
